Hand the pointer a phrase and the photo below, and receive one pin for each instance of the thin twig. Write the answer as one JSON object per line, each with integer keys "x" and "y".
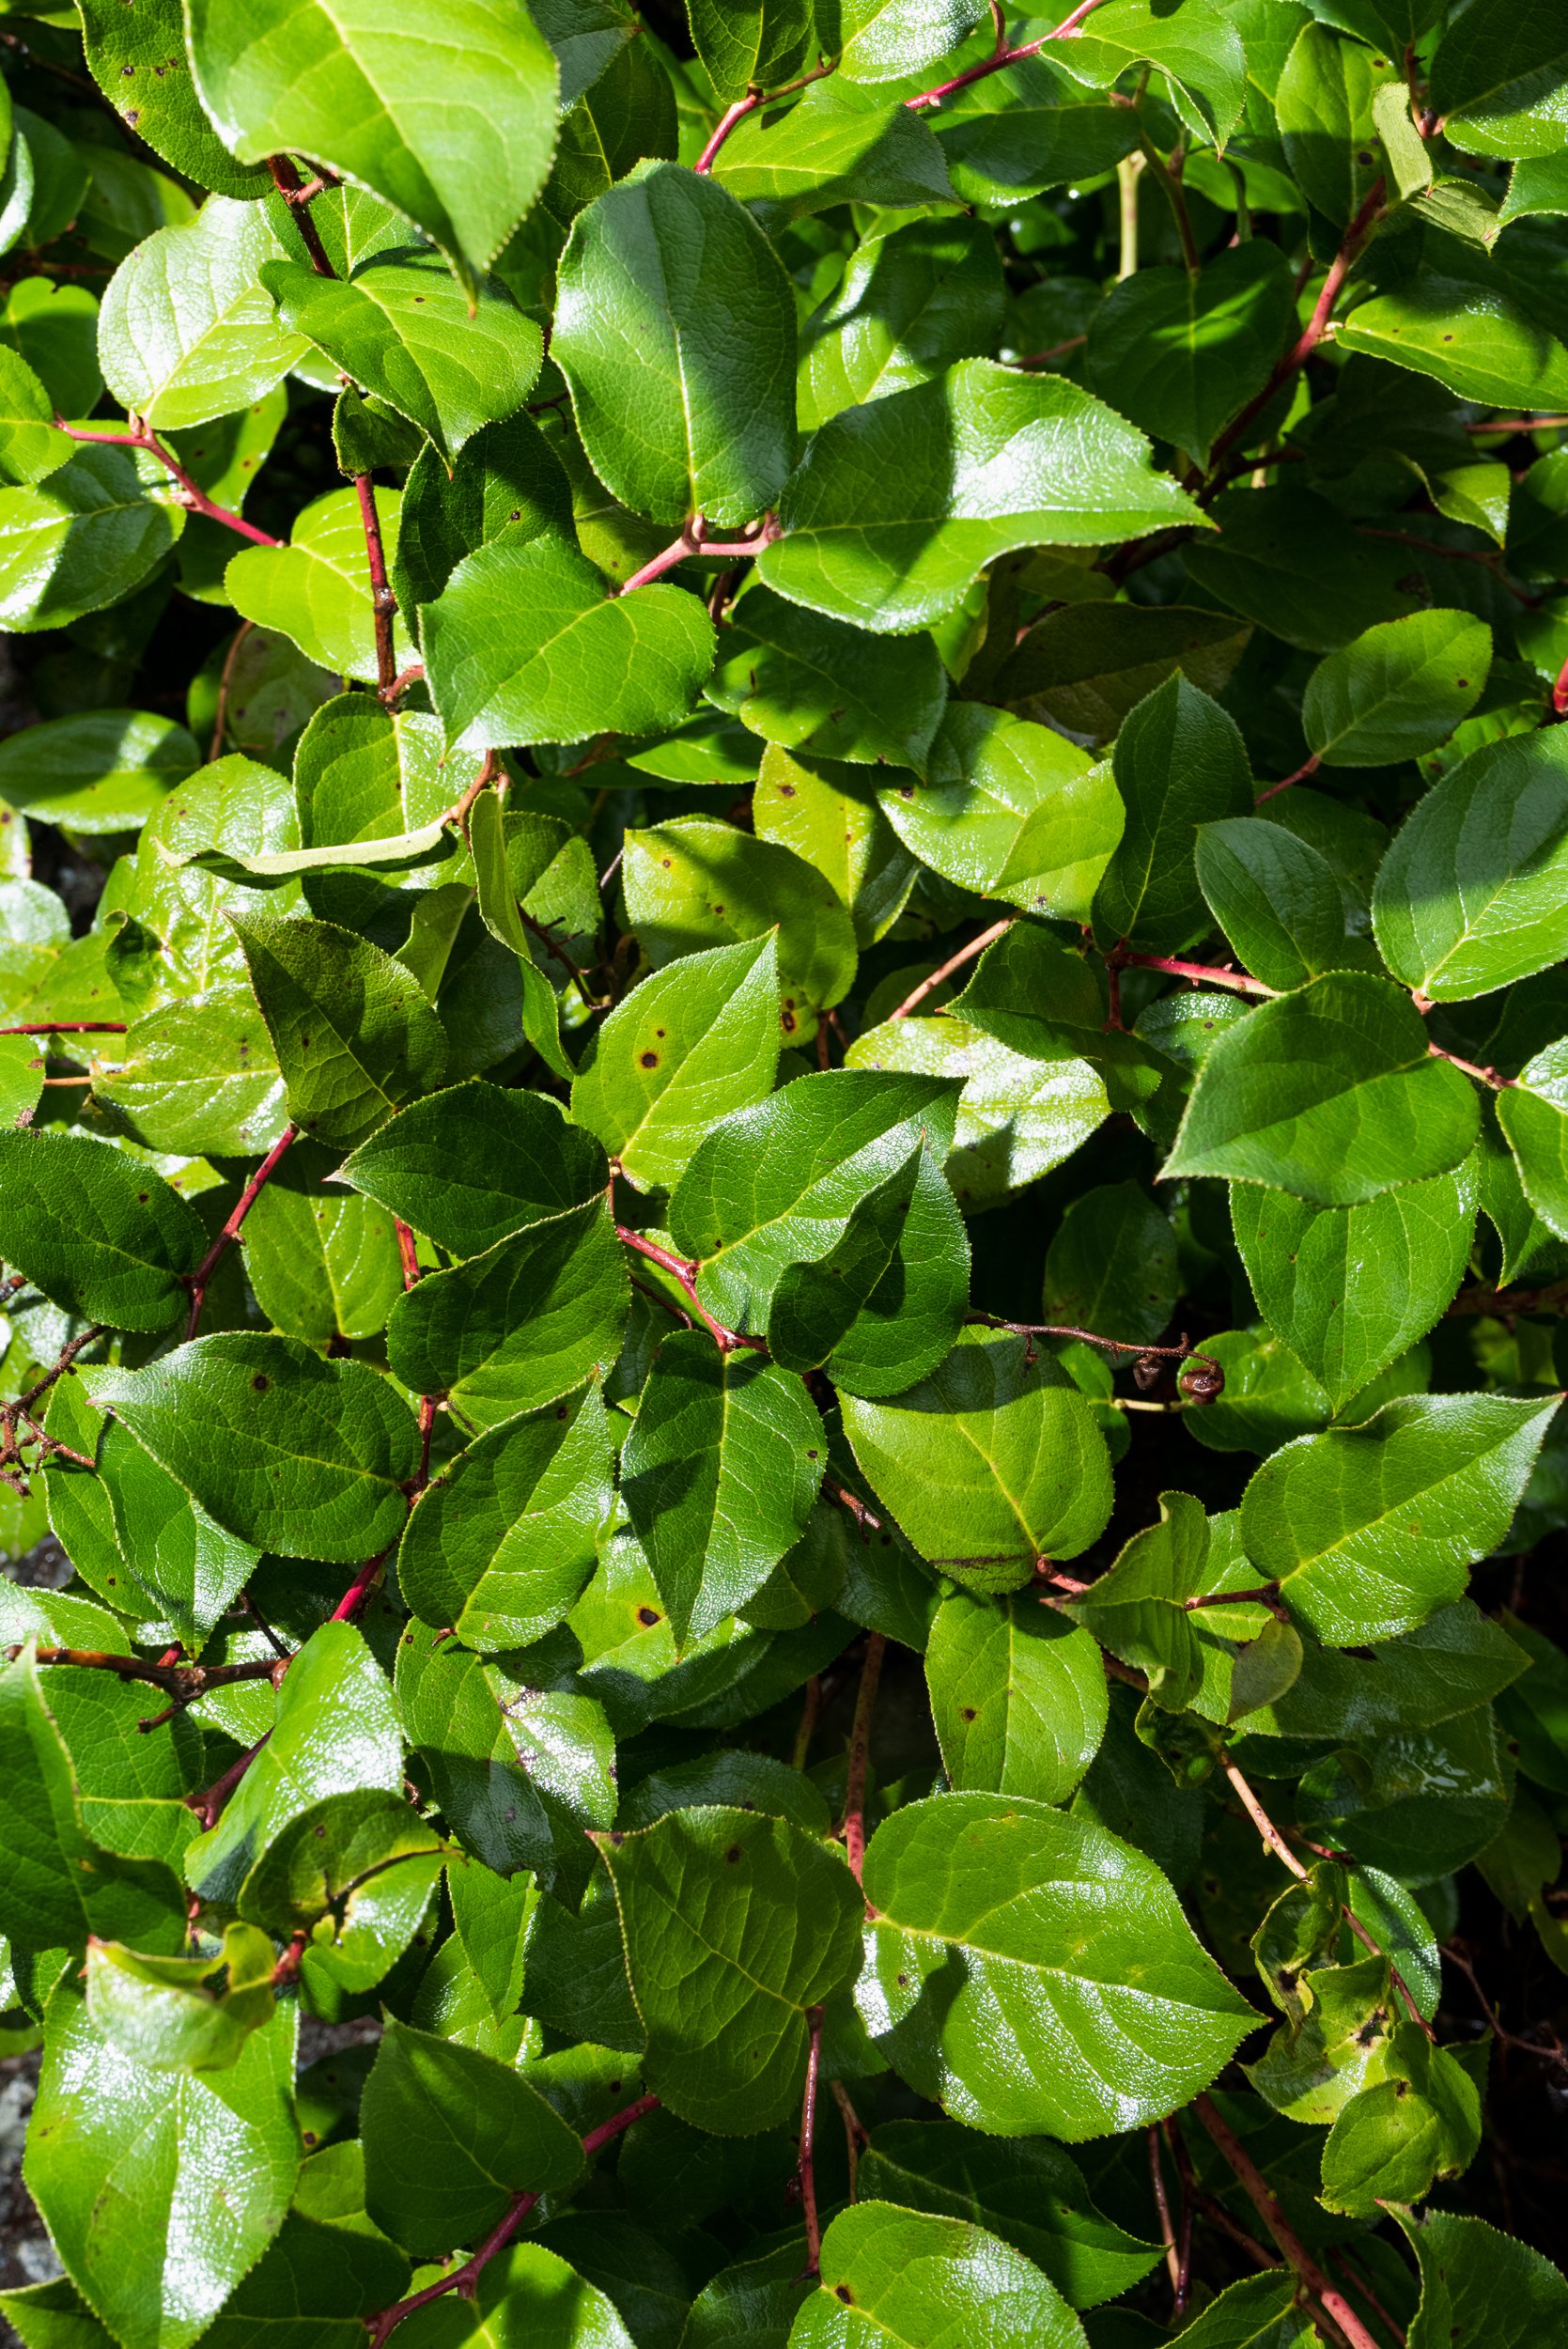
{"x": 220, "y": 720}
{"x": 1001, "y": 58}
{"x": 208, "y": 1805}
{"x": 138, "y": 435}
{"x": 855, "y": 2134}
{"x": 685, "y": 1275}
{"x": 198, "y": 1280}
{"x": 384, "y": 603}
{"x": 953, "y": 962}
{"x": 806, "y": 2160}
{"x": 853, "y": 1830}
{"x": 754, "y": 99}
{"x": 1162, "y": 2204}
{"x": 297, "y": 197}
{"x": 1332, "y": 2302}
{"x": 693, "y": 540}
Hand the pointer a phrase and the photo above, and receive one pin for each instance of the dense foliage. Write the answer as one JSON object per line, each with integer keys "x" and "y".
{"x": 783, "y": 1170}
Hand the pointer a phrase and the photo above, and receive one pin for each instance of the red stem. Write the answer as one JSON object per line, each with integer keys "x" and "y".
{"x": 360, "y": 1588}
{"x": 69, "y": 1027}
{"x": 806, "y": 2170}
{"x": 953, "y": 962}
{"x": 1334, "y": 2304}
{"x": 1203, "y": 973}
{"x": 749, "y": 104}
{"x": 685, "y": 1275}
{"x": 383, "y": 603}
{"x": 1308, "y": 767}
{"x": 1483, "y": 1075}
{"x": 196, "y": 499}
{"x": 1002, "y": 55}
{"x": 297, "y": 197}
{"x": 463, "y": 2279}
{"x": 230, "y": 1232}
{"x": 859, "y": 1752}
{"x": 1560, "y": 692}
{"x": 694, "y": 539}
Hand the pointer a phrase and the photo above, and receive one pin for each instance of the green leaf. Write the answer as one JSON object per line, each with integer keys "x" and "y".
{"x": 895, "y": 509}
{"x": 1198, "y": 49}
{"x": 1021, "y": 131}
{"x": 751, "y": 46}
{"x": 450, "y": 2136}
{"x": 1531, "y": 1114}
{"x": 83, "y": 538}
{"x": 1397, "y": 691}
{"x": 472, "y": 1166}
{"x": 1276, "y": 899}
{"x": 519, "y": 1326}
{"x": 405, "y": 333}
{"x": 352, "y": 1032}
{"x": 718, "y": 1474}
{"x": 831, "y": 146}
{"x": 990, "y": 1463}
{"x": 355, "y": 1874}
{"x": 1369, "y": 1529}
{"x": 1324, "y": 104}
{"x": 195, "y": 1076}
{"x": 736, "y": 1924}
{"x": 675, "y": 332}
{"x": 1139, "y": 1608}
{"x": 506, "y": 484}
{"x": 187, "y": 330}
{"x": 1179, "y": 762}
{"x": 1034, "y": 1975}
{"x": 501, "y": 1544}
{"x": 1470, "y": 894}
{"x": 627, "y": 113}
{"x": 1390, "y": 2142}
{"x": 157, "y": 2244}
{"x": 524, "y": 646}
{"x": 1086, "y": 666}
{"x": 695, "y": 880}
{"x": 130, "y": 1239}
{"x": 1018, "y": 1697}
{"x": 138, "y": 61}
{"x": 106, "y": 770}
{"x": 910, "y": 302}
{"x": 1025, "y": 2190}
{"x": 822, "y": 689}
{"x": 1473, "y": 335}
{"x": 1330, "y": 1093}
{"x": 776, "y": 1185}
{"x": 1112, "y": 1267}
{"x": 1010, "y": 810}
{"x": 317, "y": 590}
{"x": 321, "y": 1267}
{"x": 31, "y": 448}
{"x": 454, "y": 126}
{"x": 1182, "y": 354}
{"x": 1286, "y": 560}
{"x": 182, "y": 2014}
{"x": 293, "y": 1454}
{"x": 827, "y": 812}
{"x": 526, "y": 2299}
{"x": 1500, "y": 71}
{"x": 1479, "y": 2286}
{"x": 1349, "y": 1289}
{"x": 909, "y": 2277}
{"x": 885, "y": 39}
{"x": 1416, "y": 1805}
{"x": 693, "y": 1043}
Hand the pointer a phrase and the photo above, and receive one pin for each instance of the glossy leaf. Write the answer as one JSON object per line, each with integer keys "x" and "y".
{"x": 1398, "y": 690}
{"x": 907, "y": 2275}
{"x": 1018, "y": 1698}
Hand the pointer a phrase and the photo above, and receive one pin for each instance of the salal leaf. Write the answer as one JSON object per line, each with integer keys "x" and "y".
{"x": 352, "y": 1029}
{"x": 182, "y": 2014}
{"x": 1016, "y": 133}
{"x": 691, "y": 1044}
{"x": 1010, "y": 810}
{"x": 1086, "y": 666}
{"x": 884, "y": 1307}
{"x": 291, "y": 1453}
{"x": 1181, "y": 354}
{"x": 992, "y": 1462}
{"x": 1479, "y": 2286}
{"x": 1034, "y": 1975}
{"x": 524, "y": 646}
{"x": 139, "y": 62}
{"x": 81, "y": 539}
{"x": 450, "y": 2136}
{"x": 354, "y": 1872}
{"x": 453, "y": 125}
{"x": 1498, "y": 75}
{"x": 1473, "y": 335}
{"x": 1198, "y": 50}
{"x": 1025, "y": 2190}
{"x": 1398, "y": 690}
{"x": 1325, "y": 107}
{"x": 472, "y": 1166}
{"x": 1471, "y": 893}
{"x": 696, "y": 880}
{"x": 776, "y": 1185}
{"x": 521, "y": 1325}
{"x": 507, "y": 483}
{"x": 1139, "y": 1607}
{"x": 827, "y": 690}
{"x": 735, "y": 1925}
{"x": 827, "y": 812}
{"x": 1348, "y": 1290}
{"x": 501, "y": 1544}
{"x": 907, "y": 2276}
{"x": 1112, "y": 1265}
{"x": 529, "y": 2299}
{"x": 321, "y": 1267}
{"x": 910, "y": 302}
{"x": 1276, "y": 899}
{"x": 630, "y": 112}
{"x": 1018, "y": 1697}
{"x": 675, "y": 330}
{"x": 1286, "y": 560}
{"x": 1179, "y": 762}
{"x": 104, "y": 770}
{"x": 1533, "y": 1114}
{"x": 187, "y": 330}
{"x": 894, "y": 508}
{"x": 719, "y": 1471}
{"x": 317, "y": 590}
{"x": 1421, "y": 2121}
{"x": 31, "y": 447}
{"x": 471, "y": 1756}
{"x": 1369, "y": 1529}
{"x": 1330, "y": 1093}
{"x": 405, "y": 333}
{"x": 753, "y": 46}
{"x": 884, "y": 39}
{"x": 224, "y": 2145}
{"x": 835, "y": 145}
{"x": 130, "y": 1239}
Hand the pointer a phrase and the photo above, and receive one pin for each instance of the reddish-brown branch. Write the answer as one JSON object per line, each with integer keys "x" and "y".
{"x": 1553, "y": 1298}
{"x": 463, "y": 2279}
{"x": 297, "y": 198}
{"x": 855, "y": 2134}
{"x": 361, "y": 1587}
{"x": 208, "y": 1805}
{"x": 1201, "y": 974}
{"x": 68, "y": 1027}
{"x": 1483, "y": 1075}
{"x": 1355, "y": 237}
{"x": 955, "y": 963}
{"x": 685, "y": 1275}
{"x": 806, "y": 2160}
{"x": 736, "y": 114}
{"x": 859, "y": 1752}
{"x": 1308, "y": 766}
{"x": 1560, "y": 693}
{"x": 137, "y": 435}
{"x": 384, "y": 603}
{"x": 1332, "y": 2302}
{"x": 400, "y": 683}
{"x": 199, "y": 1279}
{"x": 694, "y": 539}
{"x": 185, "y": 1681}
{"x": 1002, "y": 57}
{"x": 1162, "y": 2204}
